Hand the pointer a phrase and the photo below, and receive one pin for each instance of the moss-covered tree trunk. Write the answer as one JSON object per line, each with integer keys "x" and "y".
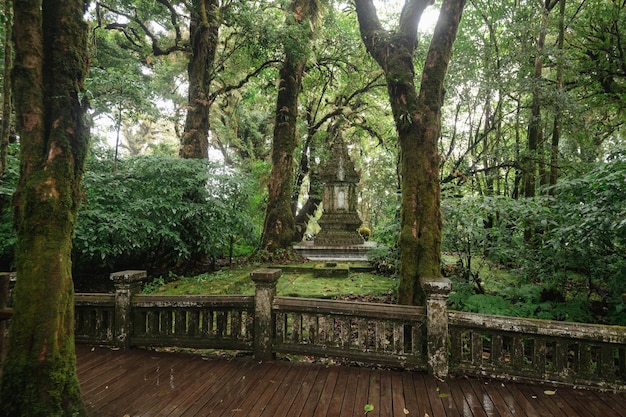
{"x": 39, "y": 375}
{"x": 279, "y": 225}
{"x": 203, "y": 33}
{"x": 418, "y": 122}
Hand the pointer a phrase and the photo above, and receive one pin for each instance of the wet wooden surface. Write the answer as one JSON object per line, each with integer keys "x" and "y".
{"x": 120, "y": 383}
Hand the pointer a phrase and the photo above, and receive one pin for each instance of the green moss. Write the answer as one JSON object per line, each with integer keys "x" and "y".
{"x": 297, "y": 282}
{"x": 22, "y": 395}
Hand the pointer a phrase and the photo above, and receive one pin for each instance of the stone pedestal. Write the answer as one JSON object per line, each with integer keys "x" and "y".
{"x": 127, "y": 284}
{"x": 265, "y": 291}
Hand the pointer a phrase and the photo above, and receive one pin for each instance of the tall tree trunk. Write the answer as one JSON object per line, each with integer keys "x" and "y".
{"x": 533, "y": 160}
{"x": 5, "y": 131}
{"x": 279, "y": 225}
{"x": 39, "y": 375}
{"x": 203, "y": 33}
{"x": 556, "y": 127}
{"x": 418, "y": 122}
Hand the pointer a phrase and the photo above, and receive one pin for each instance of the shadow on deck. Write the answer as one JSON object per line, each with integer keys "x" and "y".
{"x": 145, "y": 383}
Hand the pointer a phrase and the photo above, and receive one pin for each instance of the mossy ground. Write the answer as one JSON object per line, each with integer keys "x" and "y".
{"x": 296, "y": 281}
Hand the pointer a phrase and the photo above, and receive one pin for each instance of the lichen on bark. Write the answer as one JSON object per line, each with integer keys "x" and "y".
{"x": 39, "y": 375}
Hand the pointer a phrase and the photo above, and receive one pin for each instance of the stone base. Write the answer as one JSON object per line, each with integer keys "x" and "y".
{"x": 354, "y": 253}
{"x": 331, "y": 270}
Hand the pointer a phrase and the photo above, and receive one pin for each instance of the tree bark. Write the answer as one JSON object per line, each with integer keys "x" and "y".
{"x": 203, "y": 32}
{"x": 279, "y": 225}
{"x": 556, "y": 127}
{"x": 39, "y": 375}
{"x": 6, "y": 87}
{"x": 418, "y": 122}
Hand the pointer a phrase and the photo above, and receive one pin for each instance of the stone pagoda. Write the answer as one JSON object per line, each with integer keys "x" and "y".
{"x": 340, "y": 221}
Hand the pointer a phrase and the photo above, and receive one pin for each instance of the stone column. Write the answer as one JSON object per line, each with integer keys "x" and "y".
{"x": 127, "y": 284}
{"x": 437, "y": 290}
{"x": 265, "y": 283}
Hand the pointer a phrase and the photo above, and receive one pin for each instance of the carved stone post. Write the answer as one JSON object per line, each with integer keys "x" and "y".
{"x": 437, "y": 291}
{"x": 127, "y": 284}
{"x": 265, "y": 284}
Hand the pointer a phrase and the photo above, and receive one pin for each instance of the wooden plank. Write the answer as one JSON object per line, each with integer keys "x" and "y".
{"x": 248, "y": 401}
{"x": 314, "y": 397}
{"x": 304, "y": 391}
{"x": 433, "y": 391}
{"x": 502, "y": 403}
{"x": 487, "y": 408}
{"x": 375, "y": 392}
{"x": 361, "y": 395}
{"x": 559, "y": 399}
{"x": 349, "y": 404}
{"x": 149, "y": 402}
{"x": 115, "y": 398}
{"x": 214, "y": 371}
{"x": 415, "y": 386}
{"x": 147, "y": 383}
{"x": 397, "y": 391}
{"x": 209, "y": 398}
{"x": 275, "y": 401}
{"x": 337, "y": 395}
{"x": 322, "y": 407}
{"x": 527, "y": 400}
{"x": 456, "y": 391}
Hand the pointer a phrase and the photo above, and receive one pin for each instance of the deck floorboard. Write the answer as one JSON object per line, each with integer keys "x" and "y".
{"x": 138, "y": 382}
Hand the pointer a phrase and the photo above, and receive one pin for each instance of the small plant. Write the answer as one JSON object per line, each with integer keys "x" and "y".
{"x": 365, "y": 233}
{"x": 153, "y": 286}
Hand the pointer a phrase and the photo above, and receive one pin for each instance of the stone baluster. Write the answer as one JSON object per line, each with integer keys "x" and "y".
{"x": 437, "y": 291}
{"x": 127, "y": 284}
{"x": 265, "y": 283}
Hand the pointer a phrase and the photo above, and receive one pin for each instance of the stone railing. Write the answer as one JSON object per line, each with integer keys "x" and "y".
{"x": 424, "y": 338}
{"x": 380, "y": 333}
{"x": 540, "y": 350}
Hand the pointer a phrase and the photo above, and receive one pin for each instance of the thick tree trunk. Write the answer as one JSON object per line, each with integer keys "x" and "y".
{"x": 203, "y": 32}
{"x": 39, "y": 375}
{"x": 279, "y": 225}
{"x": 418, "y": 120}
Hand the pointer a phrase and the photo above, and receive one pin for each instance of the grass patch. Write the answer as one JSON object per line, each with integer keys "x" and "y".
{"x": 294, "y": 282}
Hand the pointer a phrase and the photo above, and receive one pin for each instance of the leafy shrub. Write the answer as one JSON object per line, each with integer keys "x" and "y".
{"x": 159, "y": 211}
{"x": 8, "y": 182}
{"x": 571, "y": 240}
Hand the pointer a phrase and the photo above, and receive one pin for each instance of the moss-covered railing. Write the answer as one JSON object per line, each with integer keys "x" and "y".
{"x": 386, "y": 334}
{"x": 427, "y": 338}
{"x": 541, "y": 350}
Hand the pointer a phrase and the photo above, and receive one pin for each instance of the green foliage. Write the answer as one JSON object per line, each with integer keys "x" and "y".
{"x": 571, "y": 242}
{"x": 159, "y": 211}
{"x": 8, "y": 183}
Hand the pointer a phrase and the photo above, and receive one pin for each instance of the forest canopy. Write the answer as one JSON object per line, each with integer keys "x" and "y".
{"x": 531, "y": 144}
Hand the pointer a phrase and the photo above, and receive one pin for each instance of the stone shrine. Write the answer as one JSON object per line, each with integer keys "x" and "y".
{"x": 340, "y": 221}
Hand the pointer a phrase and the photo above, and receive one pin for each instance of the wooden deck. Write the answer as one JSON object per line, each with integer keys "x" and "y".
{"x": 120, "y": 383}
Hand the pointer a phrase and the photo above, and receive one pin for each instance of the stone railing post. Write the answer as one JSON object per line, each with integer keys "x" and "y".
{"x": 127, "y": 284}
{"x": 437, "y": 291}
{"x": 265, "y": 284}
